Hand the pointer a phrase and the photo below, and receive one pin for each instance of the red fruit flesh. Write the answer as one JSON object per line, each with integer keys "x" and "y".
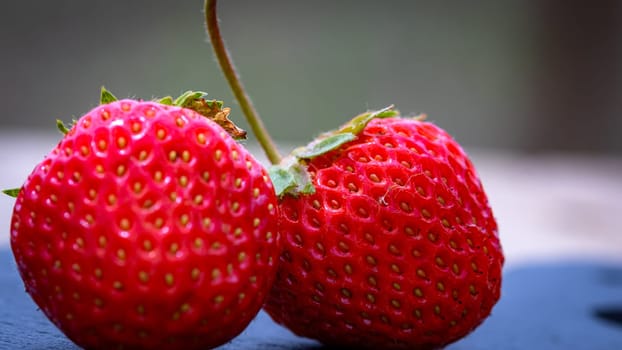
{"x": 397, "y": 248}
{"x": 147, "y": 227}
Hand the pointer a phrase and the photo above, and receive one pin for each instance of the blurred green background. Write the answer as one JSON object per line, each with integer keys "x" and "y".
{"x": 528, "y": 76}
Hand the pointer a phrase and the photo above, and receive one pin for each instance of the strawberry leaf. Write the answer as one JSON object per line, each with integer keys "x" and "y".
{"x": 358, "y": 123}
{"x": 187, "y": 98}
{"x": 106, "y": 97}
{"x": 332, "y": 140}
{"x": 325, "y": 145}
{"x": 282, "y": 180}
{"x": 290, "y": 177}
{"x": 168, "y": 100}
{"x": 12, "y": 192}
{"x": 60, "y": 125}
{"x": 211, "y": 109}
{"x": 214, "y": 104}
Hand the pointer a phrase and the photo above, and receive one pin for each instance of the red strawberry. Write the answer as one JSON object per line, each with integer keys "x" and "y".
{"x": 148, "y": 226}
{"x": 397, "y": 248}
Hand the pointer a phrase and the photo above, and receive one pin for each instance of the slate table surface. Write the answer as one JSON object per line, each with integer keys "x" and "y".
{"x": 562, "y": 305}
{"x": 559, "y": 219}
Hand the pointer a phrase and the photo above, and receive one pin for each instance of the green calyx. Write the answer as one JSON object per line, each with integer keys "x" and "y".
{"x": 106, "y": 97}
{"x": 64, "y": 129}
{"x": 12, "y": 192}
{"x": 211, "y": 109}
{"x": 332, "y": 140}
{"x": 194, "y": 100}
{"x": 290, "y": 177}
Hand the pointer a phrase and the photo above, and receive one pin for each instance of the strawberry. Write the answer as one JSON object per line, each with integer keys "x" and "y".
{"x": 390, "y": 243}
{"x": 148, "y": 226}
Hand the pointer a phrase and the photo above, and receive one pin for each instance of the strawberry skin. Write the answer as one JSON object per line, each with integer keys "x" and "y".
{"x": 147, "y": 227}
{"x": 396, "y": 249}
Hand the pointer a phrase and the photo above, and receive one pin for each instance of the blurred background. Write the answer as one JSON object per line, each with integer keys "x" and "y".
{"x": 530, "y": 76}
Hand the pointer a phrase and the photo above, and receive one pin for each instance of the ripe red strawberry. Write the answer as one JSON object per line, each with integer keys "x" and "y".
{"x": 148, "y": 226}
{"x": 397, "y": 248}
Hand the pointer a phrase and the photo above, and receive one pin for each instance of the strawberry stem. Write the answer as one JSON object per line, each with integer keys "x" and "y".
{"x": 226, "y": 65}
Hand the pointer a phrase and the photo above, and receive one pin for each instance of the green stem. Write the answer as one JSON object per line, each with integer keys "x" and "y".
{"x": 226, "y": 64}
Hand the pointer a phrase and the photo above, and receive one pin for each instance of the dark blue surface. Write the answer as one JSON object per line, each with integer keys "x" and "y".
{"x": 555, "y": 306}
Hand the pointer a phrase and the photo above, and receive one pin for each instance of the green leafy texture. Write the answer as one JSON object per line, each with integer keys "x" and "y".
{"x": 168, "y": 100}
{"x": 348, "y": 132}
{"x": 358, "y": 123}
{"x": 12, "y": 192}
{"x": 60, "y": 125}
{"x": 324, "y": 145}
{"x": 106, "y": 97}
{"x": 212, "y": 110}
{"x": 187, "y": 98}
{"x": 214, "y": 104}
{"x": 282, "y": 180}
{"x": 291, "y": 176}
